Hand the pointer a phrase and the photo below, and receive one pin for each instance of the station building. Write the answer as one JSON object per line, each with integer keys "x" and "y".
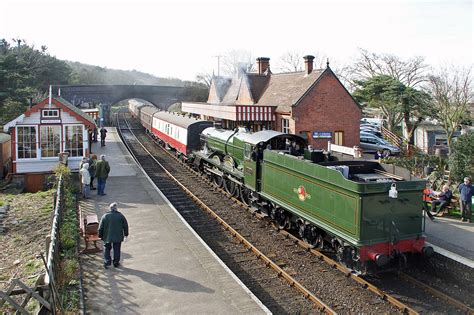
{"x": 44, "y": 131}
{"x": 312, "y": 103}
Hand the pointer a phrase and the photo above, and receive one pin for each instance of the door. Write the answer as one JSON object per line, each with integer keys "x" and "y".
{"x": 339, "y": 137}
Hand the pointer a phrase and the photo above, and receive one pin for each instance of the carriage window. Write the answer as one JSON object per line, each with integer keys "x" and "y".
{"x": 247, "y": 151}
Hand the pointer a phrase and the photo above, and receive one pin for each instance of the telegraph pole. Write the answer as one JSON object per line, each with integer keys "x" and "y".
{"x": 218, "y": 64}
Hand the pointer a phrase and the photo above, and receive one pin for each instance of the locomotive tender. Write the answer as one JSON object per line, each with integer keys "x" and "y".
{"x": 369, "y": 213}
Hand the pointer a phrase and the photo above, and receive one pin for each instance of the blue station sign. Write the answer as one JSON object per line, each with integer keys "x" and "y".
{"x": 322, "y": 135}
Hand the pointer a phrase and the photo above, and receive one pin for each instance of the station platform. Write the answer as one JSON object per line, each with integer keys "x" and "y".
{"x": 165, "y": 267}
{"x": 451, "y": 238}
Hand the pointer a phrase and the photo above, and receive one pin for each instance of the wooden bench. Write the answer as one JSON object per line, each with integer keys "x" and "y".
{"x": 89, "y": 229}
{"x": 447, "y": 209}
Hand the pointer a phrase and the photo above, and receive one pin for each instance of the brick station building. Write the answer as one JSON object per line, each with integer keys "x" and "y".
{"x": 312, "y": 103}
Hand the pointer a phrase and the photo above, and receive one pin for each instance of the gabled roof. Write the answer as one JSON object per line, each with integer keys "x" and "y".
{"x": 286, "y": 89}
{"x": 282, "y": 90}
{"x": 218, "y": 89}
{"x": 87, "y": 120}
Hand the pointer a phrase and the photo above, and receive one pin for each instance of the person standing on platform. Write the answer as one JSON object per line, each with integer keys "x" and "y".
{"x": 94, "y": 135}
{"x": 378, "y": 155}
{"x": 85, "y": 179}
{"x": 92, "y": 164}
{"x": 467, "y": 191}
{"x": 103, "y": 134}
{"x": 113, "y": 228}
{"x": 102, "y": 170}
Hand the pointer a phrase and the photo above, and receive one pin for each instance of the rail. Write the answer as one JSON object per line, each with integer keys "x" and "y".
{"x": 392, "y": 137}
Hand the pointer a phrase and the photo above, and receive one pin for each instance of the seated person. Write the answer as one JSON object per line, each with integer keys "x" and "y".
{"x": 444, "y": 199}
{"x": 427, "y": 196}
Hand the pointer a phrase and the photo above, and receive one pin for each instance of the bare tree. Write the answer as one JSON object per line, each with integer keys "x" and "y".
{"x": 451, "y": 90}
{"x": 294, "y": 62}
{"x": 236, "y": 61}
{"x": 205, "y": 78}
{"x": 410, "y": 72}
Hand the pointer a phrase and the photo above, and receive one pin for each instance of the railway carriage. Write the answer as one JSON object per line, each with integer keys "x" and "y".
{"x": 178, "y": 131}
{"x": 146, "y": 116}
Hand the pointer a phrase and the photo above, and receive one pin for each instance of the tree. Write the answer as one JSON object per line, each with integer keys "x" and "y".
{"x": 205, "y": 78}
{"x": 415, "y": 107}
{"x": 451, "y": 90}
{"x": 294, "y": 62}
{"x": 383, "y": 92}
{"x": 461, "y": 161}
{"x": 410, "y": 72}
{"x": 236, "y": 61}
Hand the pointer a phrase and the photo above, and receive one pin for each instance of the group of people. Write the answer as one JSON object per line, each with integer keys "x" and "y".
{"x": 91, "y": 168}
{"x": 444, "y": 197}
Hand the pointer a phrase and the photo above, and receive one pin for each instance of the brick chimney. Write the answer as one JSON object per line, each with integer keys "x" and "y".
{"x": 263, "y": 63}
{"x": 308, "y": 64}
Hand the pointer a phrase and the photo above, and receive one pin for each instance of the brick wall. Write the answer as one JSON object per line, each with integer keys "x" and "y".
{"x": 328, "y": 107}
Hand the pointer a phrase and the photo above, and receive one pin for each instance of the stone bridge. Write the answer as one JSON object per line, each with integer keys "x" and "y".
{"x": 108, "y": 95}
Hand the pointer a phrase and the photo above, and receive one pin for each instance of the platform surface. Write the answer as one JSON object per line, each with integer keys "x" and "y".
{"x": 452, "y": 238}
{"x": 166, "y": 268}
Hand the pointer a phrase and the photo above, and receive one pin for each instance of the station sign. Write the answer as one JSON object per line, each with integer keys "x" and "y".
{"x": 322, "y": 135}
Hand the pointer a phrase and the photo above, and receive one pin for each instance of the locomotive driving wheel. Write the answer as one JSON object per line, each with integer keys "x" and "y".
{"x": 230, "y": 186}
{"x": 217, "y": 179}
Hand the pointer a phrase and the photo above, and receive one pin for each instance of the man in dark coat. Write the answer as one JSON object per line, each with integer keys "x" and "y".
{"x": 102, "y": 169}
{"x": 113, "y": 228}
{"x": 103, "y": 134}
{"x": 467, "y": 191}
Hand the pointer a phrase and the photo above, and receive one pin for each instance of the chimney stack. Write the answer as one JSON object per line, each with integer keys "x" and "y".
{"x": 308, "y": 64}
{"x": 263, "y": 63}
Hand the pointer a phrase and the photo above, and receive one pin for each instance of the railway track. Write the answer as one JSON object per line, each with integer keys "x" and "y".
{"x": 289, "y": 240}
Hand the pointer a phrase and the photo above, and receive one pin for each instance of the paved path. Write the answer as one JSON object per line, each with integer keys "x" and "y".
{"x": 452, "y": 238}
{"x": 165, "y": 267}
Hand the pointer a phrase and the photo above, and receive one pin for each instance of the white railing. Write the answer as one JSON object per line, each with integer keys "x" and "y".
{"x": 354, "y": 151}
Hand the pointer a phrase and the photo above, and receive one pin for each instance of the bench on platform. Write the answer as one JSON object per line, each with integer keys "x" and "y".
{"x": 447, "y": 209}
{"x": 89, "y": 229}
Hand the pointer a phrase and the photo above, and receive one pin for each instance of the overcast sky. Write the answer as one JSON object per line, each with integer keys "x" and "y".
{"x": 181, "y": 38}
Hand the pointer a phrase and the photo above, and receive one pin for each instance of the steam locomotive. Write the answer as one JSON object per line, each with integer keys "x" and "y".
{"x": 369, "y": 213}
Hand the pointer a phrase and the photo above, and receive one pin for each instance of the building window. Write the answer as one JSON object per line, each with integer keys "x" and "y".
{"x": 26, "y": 142}
{"x": 285, "y": 125}
{"x": 74, "y": 140}
{"x": 50, "y": 113}
{"x": 339, "y": 137}
{"x": 50, "y": 142}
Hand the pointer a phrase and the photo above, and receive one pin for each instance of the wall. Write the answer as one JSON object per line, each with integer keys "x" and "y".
{"x": 328, "y": 107}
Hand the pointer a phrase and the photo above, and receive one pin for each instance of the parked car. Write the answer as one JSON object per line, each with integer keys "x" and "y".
{"x": 370, "y": 143}
{"x": 371, "y": 131}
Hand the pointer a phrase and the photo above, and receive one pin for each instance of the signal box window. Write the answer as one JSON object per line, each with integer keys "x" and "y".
{"x": 50, "y": 113}
{"x": 26, "y": 142}
{"x": 74, "y": 141}
{"x": 50, "y": 141}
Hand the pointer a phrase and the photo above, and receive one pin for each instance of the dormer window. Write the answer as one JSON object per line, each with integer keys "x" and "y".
{"x": 50, "y": 113}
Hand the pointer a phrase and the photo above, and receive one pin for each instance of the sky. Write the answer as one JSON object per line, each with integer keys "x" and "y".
{"x": 182, "y": 38}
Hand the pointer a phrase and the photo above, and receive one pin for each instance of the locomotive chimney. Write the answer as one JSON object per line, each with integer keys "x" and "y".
{"x": 263, "y": 63}
{"x": 308, "y": 64}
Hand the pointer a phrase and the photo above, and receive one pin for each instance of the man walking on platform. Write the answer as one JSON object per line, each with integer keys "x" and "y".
{"x": 103, "y": 134}
{"x": 467, "y": 191}
{"x": 102, "y": 170}
{"x": 113, "y": 228}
